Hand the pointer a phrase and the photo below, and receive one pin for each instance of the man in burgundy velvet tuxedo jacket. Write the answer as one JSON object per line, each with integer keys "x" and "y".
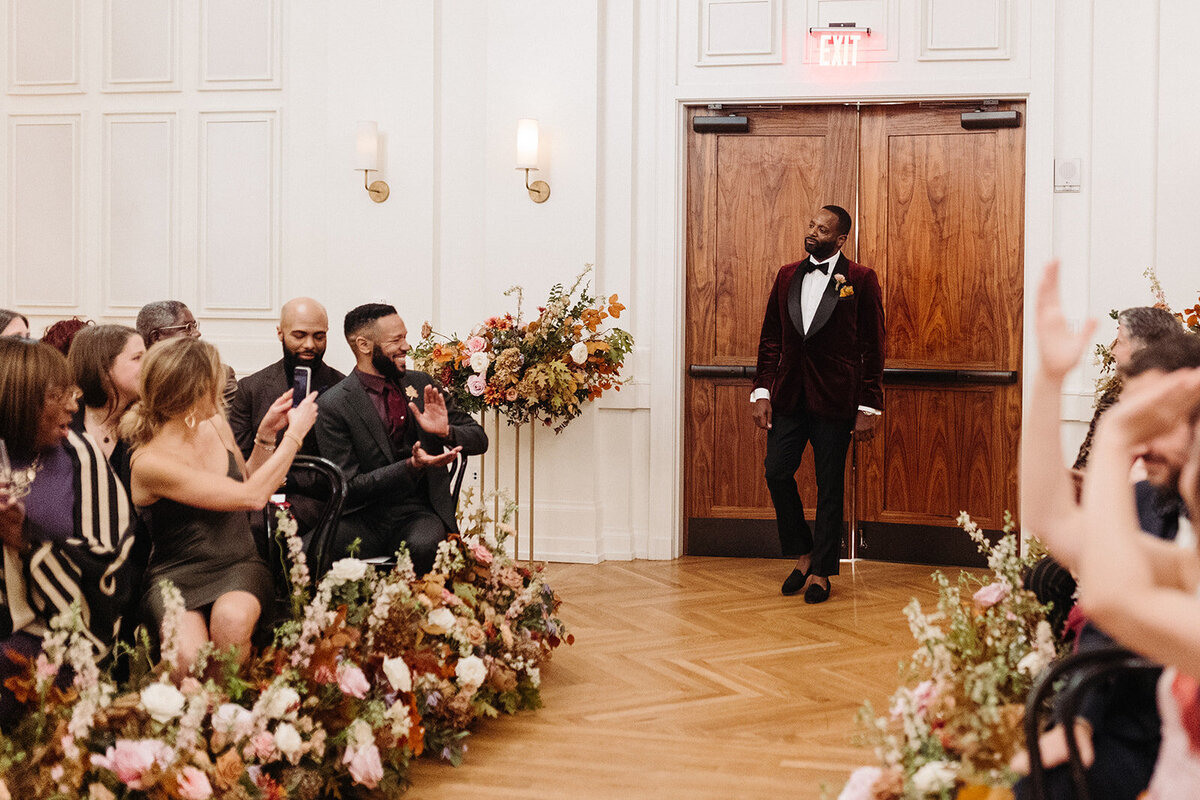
{"x": 819, "y": 380}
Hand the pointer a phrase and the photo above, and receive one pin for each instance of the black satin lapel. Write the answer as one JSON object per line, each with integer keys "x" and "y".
{"x": 795, "y": 310}
{"x": 825, "y": 308}
{"x": 366, "y": 410}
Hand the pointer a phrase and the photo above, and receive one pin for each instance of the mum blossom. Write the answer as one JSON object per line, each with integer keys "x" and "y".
{"x": 476, "y": 385}
{"x": 131, "y": 759}
{"x": 991, "y": 594}
{"x": 352, "y": 681}
{"x": 861, "y": 784}
{"x": 194, "y": 785}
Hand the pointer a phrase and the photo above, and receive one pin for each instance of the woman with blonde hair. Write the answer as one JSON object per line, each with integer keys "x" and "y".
{"x": 191, "y": 484}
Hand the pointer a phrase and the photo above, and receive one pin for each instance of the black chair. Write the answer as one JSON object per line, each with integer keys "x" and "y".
{"x": 320, "y": 484}
{"x": 1078, "y": 673}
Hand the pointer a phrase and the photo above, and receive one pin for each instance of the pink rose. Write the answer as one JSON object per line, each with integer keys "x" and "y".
{"x": 194, "y": 785}
{"x": 481, "y": 554}
{"x": 190, "y": 686}
{"x": 353, "y": 682}
{"x": 131, "y": 759}
{"x": 991, "y": 594}
{"x": 476, "y": 344}
{"x": 263, "y": 745}
{"x": 365, "y": 766}
{"x": 476, "y": 384}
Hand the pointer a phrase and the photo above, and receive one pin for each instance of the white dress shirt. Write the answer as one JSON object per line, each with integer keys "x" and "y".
{"x": 812, "y": 288}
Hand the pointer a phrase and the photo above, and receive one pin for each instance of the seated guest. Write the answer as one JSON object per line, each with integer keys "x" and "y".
{"x": 60, "y": 334}
{"x": 13, "y": 324}
{"x": 1137, "y": 328}
{"x": 107, "y": 363}
{"x": 392, "y": 432}
{"x": 67, "y": 541}
{"x": 168, "y": 319}
{"x": 1119, "y": 727}
{"x": 1144, "y": 592}
{"x": 193, "y": 487}
{"x": 303, "y": 327}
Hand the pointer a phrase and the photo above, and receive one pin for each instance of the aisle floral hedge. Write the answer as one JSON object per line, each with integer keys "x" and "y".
{"x": 545, "y": 369}
{"x": 370, "y": 670}
{"x": 954, "y": 724}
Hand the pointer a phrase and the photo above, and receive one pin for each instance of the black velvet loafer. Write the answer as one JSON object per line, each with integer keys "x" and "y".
{"x": 816, "y": 593}
{"x": 794, "y": 582}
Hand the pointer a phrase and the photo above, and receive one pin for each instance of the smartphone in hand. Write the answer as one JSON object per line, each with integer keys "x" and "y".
{"x": 301, "y": 380}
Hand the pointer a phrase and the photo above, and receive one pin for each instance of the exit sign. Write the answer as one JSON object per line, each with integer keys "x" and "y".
{"x": 837, "y": 45}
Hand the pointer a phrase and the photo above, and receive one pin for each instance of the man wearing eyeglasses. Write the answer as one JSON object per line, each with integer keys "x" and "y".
{"x": 167, "y": 319}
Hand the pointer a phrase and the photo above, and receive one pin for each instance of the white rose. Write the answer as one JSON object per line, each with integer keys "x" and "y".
{"x": 579, "y": 352}
{"x": 440, "y": 620}
{"x": 398, "y": 674}
{"x": 471, "y": 672}
{"x": 280, "y": 700}
{"x": 359, "y": 734}
{"x": 479, "y": 362}
{"x": 934, "y": 777}
{"x": 348, "y": 569}
{"x": 163, "y": 702}
{"x": 288, "y": 740}
{"x": 232, "y": 720}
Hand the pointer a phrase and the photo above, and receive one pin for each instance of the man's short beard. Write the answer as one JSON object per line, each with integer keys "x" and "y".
{"x": 291, "y": 361}
{"x": 386, "y": 366}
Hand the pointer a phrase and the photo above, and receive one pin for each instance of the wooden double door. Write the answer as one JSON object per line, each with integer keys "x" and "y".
{"x": 938, "y": 214}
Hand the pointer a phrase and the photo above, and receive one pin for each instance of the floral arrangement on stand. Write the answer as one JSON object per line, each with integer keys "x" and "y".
{"x": 545, "y": 369}
{"x": 955, "y": 722}
{"x": 371, "y": 670}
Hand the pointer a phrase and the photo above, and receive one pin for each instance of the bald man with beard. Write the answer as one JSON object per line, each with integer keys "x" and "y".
{"x": 303, "y": 327}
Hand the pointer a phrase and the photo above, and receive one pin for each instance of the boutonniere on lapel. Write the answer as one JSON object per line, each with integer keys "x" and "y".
{"x": 411, "y": 392}
{"x": 844, "y": 289}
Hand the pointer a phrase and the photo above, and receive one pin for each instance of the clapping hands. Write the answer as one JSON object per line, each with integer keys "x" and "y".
{"x": 435, "y": 419}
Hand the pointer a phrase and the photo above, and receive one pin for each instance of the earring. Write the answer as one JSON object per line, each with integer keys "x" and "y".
{"x": 190, "y": 419}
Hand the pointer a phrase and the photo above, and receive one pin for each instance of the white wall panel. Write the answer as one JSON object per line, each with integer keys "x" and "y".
{"x": 741, "y": 32}
{"x": 140, "y": 45}
{"x": 240, "y": 44}
{"x": 43, "y": 204}
{"x": 138, "y": 259}
{"x": 43, "y": 46}
{"x": 238, "y": 228}
{"x": 964, "y": 29}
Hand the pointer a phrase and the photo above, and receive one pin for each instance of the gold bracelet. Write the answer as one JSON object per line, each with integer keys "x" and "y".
{"x": 299, "y": 442}
{"x": 268, "y": 446}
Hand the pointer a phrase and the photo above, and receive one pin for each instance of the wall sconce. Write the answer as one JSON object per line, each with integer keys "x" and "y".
{"x": 527, "y": 158}
{"x": 366, "y": 158}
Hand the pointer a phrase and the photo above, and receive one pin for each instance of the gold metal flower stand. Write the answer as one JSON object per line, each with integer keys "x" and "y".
{"x": 495, "y": 447}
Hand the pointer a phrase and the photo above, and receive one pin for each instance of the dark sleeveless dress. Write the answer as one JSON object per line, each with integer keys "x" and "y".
{"x": 204, "y": 553}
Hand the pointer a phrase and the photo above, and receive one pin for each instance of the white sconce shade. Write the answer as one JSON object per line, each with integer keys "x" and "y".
{"x": 366, "y": 146}
{"x": 527, "y": 144}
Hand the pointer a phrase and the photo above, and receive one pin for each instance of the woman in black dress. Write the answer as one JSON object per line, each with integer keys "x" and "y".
{"x": 194, "y": 489}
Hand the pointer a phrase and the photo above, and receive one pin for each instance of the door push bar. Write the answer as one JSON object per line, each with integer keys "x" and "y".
{"x": 891, "y": 375}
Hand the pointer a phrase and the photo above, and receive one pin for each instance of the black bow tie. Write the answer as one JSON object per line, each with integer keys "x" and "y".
{"x": 811, "y": 266}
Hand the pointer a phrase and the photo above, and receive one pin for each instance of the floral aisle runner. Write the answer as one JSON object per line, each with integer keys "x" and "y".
{"x": 370, "y": 670}
{"x": 956, "y": 721}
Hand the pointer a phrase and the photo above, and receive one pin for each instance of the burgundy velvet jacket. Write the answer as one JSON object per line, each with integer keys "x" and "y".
{"x": 838, "y": 366}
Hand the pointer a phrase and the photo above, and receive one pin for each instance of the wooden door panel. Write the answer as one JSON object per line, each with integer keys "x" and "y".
{"x": 944, "y": 264}
{"x": 940, "y": 221}
{"x": 758, "y": 224}
{"x": 750, "y": 197}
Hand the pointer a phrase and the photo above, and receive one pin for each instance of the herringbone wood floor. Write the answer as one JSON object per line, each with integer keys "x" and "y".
{"x": 695, "y": 678}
